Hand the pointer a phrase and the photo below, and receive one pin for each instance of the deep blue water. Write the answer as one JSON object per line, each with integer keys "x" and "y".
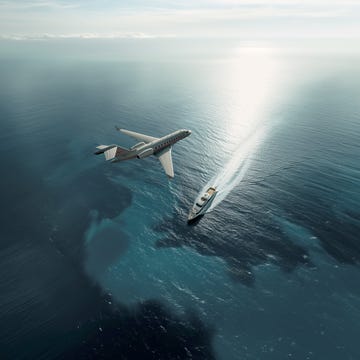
{"x": 97, "y": 260}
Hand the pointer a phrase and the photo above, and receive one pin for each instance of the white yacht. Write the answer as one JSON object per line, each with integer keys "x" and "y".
{"x": 202, "y": 204}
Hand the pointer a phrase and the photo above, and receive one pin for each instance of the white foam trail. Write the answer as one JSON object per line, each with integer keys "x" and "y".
{"x": 234, "y": 171}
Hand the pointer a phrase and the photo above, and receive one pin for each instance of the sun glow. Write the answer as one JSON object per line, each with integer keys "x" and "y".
{"x": 251, "y": 83}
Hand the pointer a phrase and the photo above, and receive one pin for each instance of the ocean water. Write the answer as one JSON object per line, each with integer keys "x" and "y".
{"x": 97, "y": 260}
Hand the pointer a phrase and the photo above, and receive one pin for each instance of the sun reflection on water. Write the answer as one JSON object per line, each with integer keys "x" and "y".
{"x": 248, "y": 87}
{"x": 251, "y": 82}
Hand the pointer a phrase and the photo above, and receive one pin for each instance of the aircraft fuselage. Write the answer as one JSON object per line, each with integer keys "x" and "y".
{"x": 142, "y": 150}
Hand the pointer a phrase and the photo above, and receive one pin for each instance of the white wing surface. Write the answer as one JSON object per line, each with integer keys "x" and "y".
{"x": 166, "y": 162}
{"x": 137, "y": 136}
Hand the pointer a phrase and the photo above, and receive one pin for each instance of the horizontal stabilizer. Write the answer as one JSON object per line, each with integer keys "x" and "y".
{"x": 102, "y": 148}
{"x": 111, "y": 151}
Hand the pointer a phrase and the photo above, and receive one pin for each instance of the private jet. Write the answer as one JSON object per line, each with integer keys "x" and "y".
{"x": 148, "y": 145}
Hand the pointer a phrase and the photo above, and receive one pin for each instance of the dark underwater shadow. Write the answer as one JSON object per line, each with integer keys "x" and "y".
{"x": 69, "y": 316}
{"x": 147, "y": 331}
{"x": 244, "y": 238}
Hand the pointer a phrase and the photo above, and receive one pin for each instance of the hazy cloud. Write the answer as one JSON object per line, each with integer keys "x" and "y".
{"x": 47, "y": 36}
{"x": 202, "y": 18}
{"x": 36, "y": 5}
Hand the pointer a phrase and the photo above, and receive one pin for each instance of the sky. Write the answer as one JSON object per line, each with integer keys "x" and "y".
{"x": 231, "y": 19}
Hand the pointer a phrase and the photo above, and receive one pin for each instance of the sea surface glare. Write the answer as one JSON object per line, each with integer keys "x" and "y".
{"x": 97, "y": 260}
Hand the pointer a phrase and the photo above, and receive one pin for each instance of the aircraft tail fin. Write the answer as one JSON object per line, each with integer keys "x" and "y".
{"x": 111, "y": 151}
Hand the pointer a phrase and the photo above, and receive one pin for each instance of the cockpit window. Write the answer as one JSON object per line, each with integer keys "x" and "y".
{"x": 199, "y": 205}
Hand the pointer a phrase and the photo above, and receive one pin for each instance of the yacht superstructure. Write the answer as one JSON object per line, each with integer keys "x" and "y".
{"x": 202, "y": 204}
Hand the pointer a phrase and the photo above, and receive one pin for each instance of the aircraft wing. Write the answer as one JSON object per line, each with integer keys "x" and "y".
{"x": 137, "y": 136}
{"x": 166, "y": 162}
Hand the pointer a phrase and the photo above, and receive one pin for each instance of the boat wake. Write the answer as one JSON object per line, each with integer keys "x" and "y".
{"x": 235, "y": 169}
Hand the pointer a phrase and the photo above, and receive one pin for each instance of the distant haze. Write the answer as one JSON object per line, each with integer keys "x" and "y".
{"x": 232, "y": 19}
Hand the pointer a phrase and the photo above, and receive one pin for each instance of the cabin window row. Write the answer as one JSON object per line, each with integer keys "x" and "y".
{"x": 166, "y": 143}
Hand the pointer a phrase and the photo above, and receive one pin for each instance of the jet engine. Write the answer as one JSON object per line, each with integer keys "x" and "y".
{"x": 136, "y": 146}
{"x": 145, "y": 153}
